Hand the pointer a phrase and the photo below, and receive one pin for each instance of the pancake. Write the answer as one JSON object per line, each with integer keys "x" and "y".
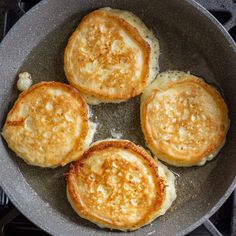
{"x": 48, "y": 125}
{"x": 184, "y": 119}
{"x": 111, "y": 57}
{"x": 118, "y": 185}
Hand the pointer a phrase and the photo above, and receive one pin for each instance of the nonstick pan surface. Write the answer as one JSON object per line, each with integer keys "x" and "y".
{"x": 190, "y": 40}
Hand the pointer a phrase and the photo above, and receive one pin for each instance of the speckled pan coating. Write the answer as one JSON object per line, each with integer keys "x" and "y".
{"x": 190, "y": 39}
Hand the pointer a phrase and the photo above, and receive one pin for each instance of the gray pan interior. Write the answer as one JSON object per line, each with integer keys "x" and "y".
{"x": 190, "y": 40}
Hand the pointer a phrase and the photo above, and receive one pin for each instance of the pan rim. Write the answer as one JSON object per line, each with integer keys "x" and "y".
{"x": 224, "y": 197}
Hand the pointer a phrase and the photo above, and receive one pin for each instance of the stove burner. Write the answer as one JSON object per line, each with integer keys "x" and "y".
{"x": 13, "y": 223}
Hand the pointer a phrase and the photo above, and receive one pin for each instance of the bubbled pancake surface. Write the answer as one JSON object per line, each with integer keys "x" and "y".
{"x": 116, "y": 184}
{"x": 48, "y": 125}
{"x": 111, "y": 56}
{"x": 184, "y": 119}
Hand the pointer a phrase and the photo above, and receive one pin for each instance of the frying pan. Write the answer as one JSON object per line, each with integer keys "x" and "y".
{"x": 190, "y": 40}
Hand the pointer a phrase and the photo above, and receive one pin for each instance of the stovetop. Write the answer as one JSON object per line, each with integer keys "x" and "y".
{"x": 13, "y": 223}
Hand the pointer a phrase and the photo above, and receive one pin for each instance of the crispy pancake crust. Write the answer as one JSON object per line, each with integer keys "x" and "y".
{"x": 184, "y": 120}
{"x": 117, "y": 185}
{"x": 111, "y": 56}
{"x": 48, "y": 125}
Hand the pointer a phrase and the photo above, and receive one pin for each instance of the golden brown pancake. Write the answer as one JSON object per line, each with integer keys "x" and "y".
{"x": 184, "y": 120}
{"x": 118, "y": 185}
{"x": 48, "y": 125}
{"x": 111, "y": 56}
